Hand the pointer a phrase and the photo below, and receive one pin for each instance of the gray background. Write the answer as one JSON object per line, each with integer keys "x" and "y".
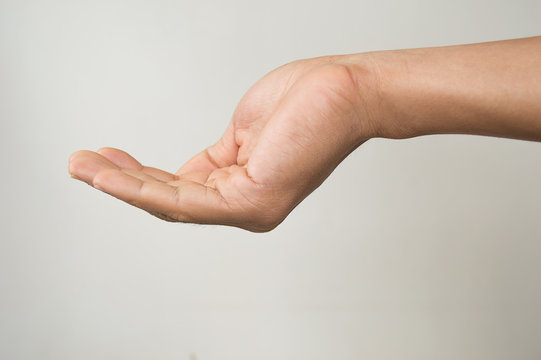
{"x": 428, "y": 248}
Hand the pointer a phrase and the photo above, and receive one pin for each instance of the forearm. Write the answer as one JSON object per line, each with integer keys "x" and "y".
{"x": 485, "y": 89}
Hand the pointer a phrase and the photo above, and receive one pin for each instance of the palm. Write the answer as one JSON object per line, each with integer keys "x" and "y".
{"x": 287, "y": 134}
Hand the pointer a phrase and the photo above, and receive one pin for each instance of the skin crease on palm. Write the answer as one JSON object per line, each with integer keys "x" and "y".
{"x": 294, "y": 126}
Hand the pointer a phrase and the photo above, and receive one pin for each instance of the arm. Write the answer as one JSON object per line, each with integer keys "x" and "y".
{"x": 294, "y": 126}
{"x": 491, "y": 88}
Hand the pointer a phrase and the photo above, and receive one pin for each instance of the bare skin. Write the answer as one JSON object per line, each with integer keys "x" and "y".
{"x": 294, "y": 126}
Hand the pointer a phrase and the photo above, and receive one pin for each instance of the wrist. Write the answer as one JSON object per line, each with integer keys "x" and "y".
{"x": 374, "y": 75}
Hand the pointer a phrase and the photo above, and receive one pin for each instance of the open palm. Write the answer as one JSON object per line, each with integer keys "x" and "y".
{"x": 287, "y": 134}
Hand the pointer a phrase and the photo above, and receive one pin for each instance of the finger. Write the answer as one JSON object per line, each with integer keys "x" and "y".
{"x": 84, "y": 165}
{"x": 159, "y": 174}
{"x": 120, "y": 158}
{"x": 124, "y": 160}
{"x": 219, "y": 173}
{"x": 139, "y": 175}
{"x": 202, "y": 162}
{"x": 199, "y": 177}
{"x": 222, "y": 154}
{"x": 187, "y": 202}
{"x": 145, "y": 177}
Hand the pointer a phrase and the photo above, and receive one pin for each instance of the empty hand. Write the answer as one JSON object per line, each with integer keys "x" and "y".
{"x": 287, "y": 134}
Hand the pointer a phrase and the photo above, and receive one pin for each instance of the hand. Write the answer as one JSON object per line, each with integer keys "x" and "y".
{"x": 287, "y": 134}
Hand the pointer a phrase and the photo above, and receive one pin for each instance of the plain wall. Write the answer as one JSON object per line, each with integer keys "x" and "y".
{"x": 428, "y": 248}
